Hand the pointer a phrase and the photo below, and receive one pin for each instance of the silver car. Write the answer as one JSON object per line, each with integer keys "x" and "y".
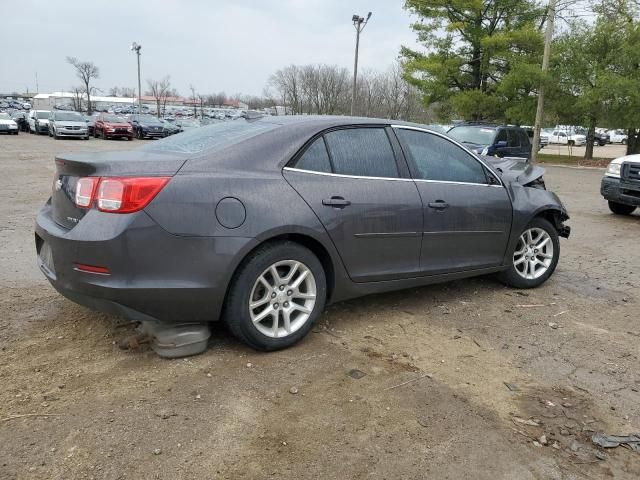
{"x": 68, "y": 124}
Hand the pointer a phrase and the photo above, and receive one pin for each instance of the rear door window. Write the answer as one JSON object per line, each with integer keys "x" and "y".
{"x": 363, "y": 152}
{"x": 514, "y": 139}
{"x": 502, "y": 137}
{"x": 315, "y": 158}
{"x": 436, "y": 158}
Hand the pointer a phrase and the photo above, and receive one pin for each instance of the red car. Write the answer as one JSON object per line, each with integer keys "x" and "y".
{"x": 111, "y": 126}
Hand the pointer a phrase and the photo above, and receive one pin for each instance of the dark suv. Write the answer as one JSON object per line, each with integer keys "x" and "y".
{"x": 493, "y": 140}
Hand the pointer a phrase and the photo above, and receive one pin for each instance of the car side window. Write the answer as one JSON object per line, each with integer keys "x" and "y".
{"x": 315, "y": 158}
{"x": 501, "y": 137}
{"x": 514, "y": 139}
{"x": 439, "y": 159}
{"x": 363, "y": 152}
{"x": 524, "y": 138}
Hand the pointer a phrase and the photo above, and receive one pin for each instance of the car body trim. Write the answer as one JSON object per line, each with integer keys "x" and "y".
{"x": 448, "y": 232}
{"x": 301, "y": 170}
{"x": 387, "y": 234}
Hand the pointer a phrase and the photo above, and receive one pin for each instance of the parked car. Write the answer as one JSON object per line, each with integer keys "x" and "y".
{"x": 67, "y": 124}
{"x": 39, "y": 121}
{"x": 147, "y": 126}
{"x": 183, "y": 231}
{"x": 493, "y": 140}
{"x": 112, "y": 126}
{"x": 171, "y": 127}
{"x": 91, "y": 123}
{"x": 20, "y": 117}
{"x": 7, "y": 124}
{"x": 621, "y": 184}
{"x": 618, "y": 136}
{"x": 566, "y": 138}
{"x": 601, "y": 139}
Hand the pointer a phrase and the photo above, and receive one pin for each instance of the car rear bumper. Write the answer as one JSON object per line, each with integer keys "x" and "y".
{"x": 616, "y": 190}
{"x": 154, "y": 275}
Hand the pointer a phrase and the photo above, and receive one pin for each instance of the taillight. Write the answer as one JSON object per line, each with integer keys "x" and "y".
{"x": 118, "y": 194}
{"x": 85, "y": 190}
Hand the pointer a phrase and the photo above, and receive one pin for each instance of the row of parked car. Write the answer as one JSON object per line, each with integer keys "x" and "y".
{"x": 68, "y": 124}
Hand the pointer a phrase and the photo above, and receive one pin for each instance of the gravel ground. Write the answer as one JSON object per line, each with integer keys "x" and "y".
{"x": 433, "y": 402}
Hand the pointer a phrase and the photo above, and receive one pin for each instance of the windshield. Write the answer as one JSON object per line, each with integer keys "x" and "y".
{"x": 477, "y": 135}
{"x": 4, "y": 116}
{"x": 114, "y": 119}
{"x": 210, "y": 138}
{"x": 149, "y": 120}
{"x": 69, "y": 117}
{"x": 42, "y": 114}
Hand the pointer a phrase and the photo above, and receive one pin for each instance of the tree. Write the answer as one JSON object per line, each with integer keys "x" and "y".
{"x": 595, "y": 72}
{"x": 471, "y": 47}
{"x": 159, "y": 90}
{"x": 85, "y": 71}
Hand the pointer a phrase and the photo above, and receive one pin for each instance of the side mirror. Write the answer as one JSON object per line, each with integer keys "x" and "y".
{"x": 501, "y": 144}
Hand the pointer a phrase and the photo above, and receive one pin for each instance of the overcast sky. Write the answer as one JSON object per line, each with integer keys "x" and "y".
{"x": 217, "y": 45}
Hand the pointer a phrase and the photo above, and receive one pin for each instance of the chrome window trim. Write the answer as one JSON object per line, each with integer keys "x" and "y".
{"x": 448, "y": 138}
{"x": 328, "y": 174}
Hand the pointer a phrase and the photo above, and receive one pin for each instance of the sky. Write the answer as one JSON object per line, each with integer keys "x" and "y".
{"x": 216, "y": 45}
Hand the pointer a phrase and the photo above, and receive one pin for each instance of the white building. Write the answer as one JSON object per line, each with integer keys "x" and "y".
{"x": 48, "y": 101}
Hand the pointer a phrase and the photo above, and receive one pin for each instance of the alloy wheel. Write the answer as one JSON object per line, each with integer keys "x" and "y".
{"x": 282, "y": 298}
{"x": 534, "y": 253}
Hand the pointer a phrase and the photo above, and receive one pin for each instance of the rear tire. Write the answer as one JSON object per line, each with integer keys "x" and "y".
{"x": 283, "y": 312}
{"x": 621, "y": 208}
{"x": 543, "y": 246}
{"x": 624, "y": 141}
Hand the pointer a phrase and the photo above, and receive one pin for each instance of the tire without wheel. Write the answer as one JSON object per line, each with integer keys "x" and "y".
{"x": 535, "y": 256}
{"x": 276, "y": 296}
{"x": 621, "y": 208}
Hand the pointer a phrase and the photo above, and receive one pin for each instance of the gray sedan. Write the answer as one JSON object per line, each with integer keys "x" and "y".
{"x": 262, "y": 222}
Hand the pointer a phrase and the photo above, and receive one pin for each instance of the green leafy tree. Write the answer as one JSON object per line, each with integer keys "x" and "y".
{"x": 481, "y": 59}
{"x": 595, "y": 72}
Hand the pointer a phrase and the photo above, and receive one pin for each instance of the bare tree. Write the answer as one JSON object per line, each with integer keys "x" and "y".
{"x": 122, "y": 92}
{"x": 159, "y": 90}
{"x": 76, "y": 100}
{"x": 85, "y": 71}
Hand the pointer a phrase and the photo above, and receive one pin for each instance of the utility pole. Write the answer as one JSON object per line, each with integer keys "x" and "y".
{"x": 136, "y": 48}
{"x": 37, "y": 88}
{"x": 551, "y": 16}
{"x": 359, "y": 23}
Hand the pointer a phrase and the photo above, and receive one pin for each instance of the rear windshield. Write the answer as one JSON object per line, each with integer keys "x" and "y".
{"x": 477, "y": 135}
{"x": 210, "y": 138}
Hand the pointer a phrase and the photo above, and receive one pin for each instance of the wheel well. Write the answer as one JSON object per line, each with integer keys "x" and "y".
{"x": 555, "y": 218}
{"x": 315, "y": 246}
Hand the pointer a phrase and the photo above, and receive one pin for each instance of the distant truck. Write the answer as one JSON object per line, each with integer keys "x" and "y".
{"x": 564, "y": 137}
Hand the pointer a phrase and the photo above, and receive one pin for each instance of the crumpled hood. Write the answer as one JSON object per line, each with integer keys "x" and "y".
{"x": 514, "y": 170}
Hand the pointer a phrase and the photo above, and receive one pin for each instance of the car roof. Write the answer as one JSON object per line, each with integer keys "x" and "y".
{"x": 271, "y": 150}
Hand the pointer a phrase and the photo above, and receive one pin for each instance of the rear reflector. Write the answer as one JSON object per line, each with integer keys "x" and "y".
{"x": 81, "y": 267}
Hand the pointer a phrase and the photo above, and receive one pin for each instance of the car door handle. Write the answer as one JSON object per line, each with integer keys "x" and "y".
{"x": 439, "y": 205}
{"x": 336, "y": 202}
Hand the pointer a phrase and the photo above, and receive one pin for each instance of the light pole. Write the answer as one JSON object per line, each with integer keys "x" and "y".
{"x": 359, "y": 23}
{"x": 136, "y": 48}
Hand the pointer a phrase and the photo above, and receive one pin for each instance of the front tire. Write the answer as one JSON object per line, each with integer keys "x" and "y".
{"x": 535, "y": 256}
{"x": 624, "y": 141}
{"x": 276, "y": 296}
{"x": 621, "y": 208}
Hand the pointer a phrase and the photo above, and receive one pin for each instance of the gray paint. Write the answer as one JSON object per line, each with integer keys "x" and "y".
{"x": 174, "y": 260}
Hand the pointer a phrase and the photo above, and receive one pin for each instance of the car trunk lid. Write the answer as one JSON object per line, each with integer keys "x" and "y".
{"x": 71, "y": 167}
